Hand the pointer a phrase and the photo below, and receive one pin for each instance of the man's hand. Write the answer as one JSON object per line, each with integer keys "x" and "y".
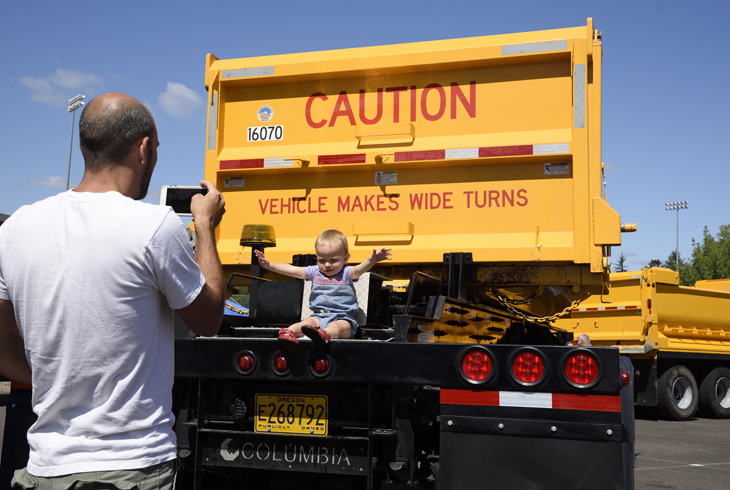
{"x": 263, "y": 261}
{"x": 382, "y": 254}
{"x": 208, "y": 208}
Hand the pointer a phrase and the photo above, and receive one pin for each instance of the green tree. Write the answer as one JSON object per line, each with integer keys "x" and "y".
{"x": 710, "y": 257}
{"x": 654, "y": 263}
{"x": 620, "y": 263}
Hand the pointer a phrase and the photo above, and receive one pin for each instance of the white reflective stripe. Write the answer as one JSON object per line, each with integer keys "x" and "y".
{"x": 247, "y": 72}
{"x": 462, "y": 153}
{"x": 550, "y": 148}
{"x": 277, "y": 162}
{"x": 212, "y": 122}
{"x": 525, "y": 399}
{"x": 535, "y": 47}
{"x": 579, "y": 96}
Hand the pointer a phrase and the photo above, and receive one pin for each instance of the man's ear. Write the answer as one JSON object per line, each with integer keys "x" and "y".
{"x": 143, "y": 150}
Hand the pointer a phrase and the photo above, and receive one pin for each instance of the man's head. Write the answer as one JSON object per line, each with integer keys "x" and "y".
{"x": 583, "y": 341}
{"x": 332, "y": 252}
{"x": 111, "y": 127}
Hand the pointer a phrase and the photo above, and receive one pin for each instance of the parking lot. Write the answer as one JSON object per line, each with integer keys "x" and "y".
{"x": 693, "y": 455}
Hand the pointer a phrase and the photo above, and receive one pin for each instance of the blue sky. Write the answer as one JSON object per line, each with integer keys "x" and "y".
{"x": 666, "y": 86}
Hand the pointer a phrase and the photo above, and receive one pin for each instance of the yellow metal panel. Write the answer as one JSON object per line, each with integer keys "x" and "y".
{"x": 488, "y": 145}
{"x": 606, "y": 224}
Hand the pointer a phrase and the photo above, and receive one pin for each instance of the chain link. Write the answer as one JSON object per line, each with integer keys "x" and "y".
{"x": 539, "y": 319}
{"x": 525, "y": 301}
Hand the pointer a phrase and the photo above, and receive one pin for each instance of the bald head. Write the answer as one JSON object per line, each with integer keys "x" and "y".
{"x": 109, "y": 127}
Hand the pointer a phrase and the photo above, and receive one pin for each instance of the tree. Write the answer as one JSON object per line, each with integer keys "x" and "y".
{"x": 710, "y": 257}
{"x": 654, "y": 263}
{"x": 621, "y": 263}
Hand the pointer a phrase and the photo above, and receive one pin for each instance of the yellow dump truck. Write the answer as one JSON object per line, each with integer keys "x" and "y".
{"x": 478, "y": 161}
{"x": 678, "y": 338}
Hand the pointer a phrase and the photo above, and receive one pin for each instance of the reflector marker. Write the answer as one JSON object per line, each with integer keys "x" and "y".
{"x": 336, "y": 159}
{"x": 256, "y": 163}
{"x": 535, "y": 47}
{"x": 484, "y": 152}
{"x": 410, "y": 156}
{"x": 555, "y": 401}
{"x": 605, "y": 308}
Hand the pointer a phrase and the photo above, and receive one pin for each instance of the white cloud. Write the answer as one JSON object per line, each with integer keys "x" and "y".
{"x": 49, "y": 181}
{"x": 77, "y": 80}
{"x": 58, "y": 88}
{"x": 178, "y": 100}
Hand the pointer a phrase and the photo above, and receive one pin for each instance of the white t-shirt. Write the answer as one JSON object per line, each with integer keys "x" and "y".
{"x": 93, "y": 279}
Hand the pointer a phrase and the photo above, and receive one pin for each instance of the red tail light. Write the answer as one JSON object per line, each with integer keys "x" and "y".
{"x": 281, "y": 364}
{"x": 476, "y": 365}
{"x": 625, "y": 378}
{"x": 581, "y": 368}
{"x": 246, "y": 363}
{"x": 528, "y": 367}
{"x": 321, "y": 365}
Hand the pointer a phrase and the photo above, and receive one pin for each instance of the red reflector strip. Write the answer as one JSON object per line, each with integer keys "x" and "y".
{"x": 235, "y": 164}
{"x": 503, "y": 151}
{"x": 468, "y": 397}
{"x": 410, "y": 156}
{"x": 15, "y": 385}
{"x": 605, "y": 308}
{"x": 335, "y": 159}
{"x": 595, "y": 403}
{"x": 558, "y": 401}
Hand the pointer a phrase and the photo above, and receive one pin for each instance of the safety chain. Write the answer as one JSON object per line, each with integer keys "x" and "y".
{"x": 529, "y": 299}
{"x": 538, "y": 319}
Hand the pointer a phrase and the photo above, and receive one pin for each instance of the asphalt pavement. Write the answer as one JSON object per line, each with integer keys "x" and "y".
{"x": 691, "y": 455}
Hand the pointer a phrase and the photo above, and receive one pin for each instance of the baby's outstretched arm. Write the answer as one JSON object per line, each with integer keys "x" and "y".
{"x": 367, "y": 264}
{"x": 285, "y": 269}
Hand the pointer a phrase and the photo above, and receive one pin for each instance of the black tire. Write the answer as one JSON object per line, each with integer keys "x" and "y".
{"x": 677, "y": 397}
{"x": 715, "y": 394}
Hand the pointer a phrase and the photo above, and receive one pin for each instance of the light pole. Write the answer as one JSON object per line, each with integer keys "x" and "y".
{"x": 73, "y": 104}
{"x": 671, "y": 206}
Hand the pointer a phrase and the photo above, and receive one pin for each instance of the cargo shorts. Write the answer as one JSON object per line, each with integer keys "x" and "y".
{"x": 157, "y": 477}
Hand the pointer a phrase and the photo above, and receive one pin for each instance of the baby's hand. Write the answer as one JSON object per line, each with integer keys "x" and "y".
{"x": 263, "y": 261}
{"x": 382, "y": 254}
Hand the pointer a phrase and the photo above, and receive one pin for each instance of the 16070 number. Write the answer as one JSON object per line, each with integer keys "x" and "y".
{"x": 265, "y": 133}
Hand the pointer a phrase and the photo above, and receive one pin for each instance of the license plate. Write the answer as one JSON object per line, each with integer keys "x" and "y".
{"x": 291, "y": 414}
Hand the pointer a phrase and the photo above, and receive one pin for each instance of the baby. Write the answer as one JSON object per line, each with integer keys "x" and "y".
{"x": 332, "y": 301}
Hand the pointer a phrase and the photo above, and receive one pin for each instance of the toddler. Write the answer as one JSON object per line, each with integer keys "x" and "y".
{"x": 332, "y": 301}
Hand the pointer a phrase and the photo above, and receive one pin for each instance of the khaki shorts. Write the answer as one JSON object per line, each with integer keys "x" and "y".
{"x": 158, "y": 477}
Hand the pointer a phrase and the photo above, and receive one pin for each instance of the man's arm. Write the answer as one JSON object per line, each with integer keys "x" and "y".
{"x": 367, "y": 264}
{"x": 13, "y": 363}
{"x": 205, "y": 314}
{"x": 285, "y": 269}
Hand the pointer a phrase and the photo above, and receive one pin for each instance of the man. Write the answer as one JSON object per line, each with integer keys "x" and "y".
{"x": 92, "y": 276}
{"x": 583, "y": 341}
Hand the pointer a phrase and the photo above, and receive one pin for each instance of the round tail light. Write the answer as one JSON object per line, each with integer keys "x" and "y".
{"x": 321, "y": 365}
{"x": 581, "y": 368}
{"x": 246, "y": 363}
{"x": 528, "y": 367}
{"x": 281, "y": 364}
{"x": 476, "y": 365}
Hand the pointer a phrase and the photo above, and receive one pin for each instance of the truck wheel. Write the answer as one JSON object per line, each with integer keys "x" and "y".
{"x": 715, "y": 394}
{"x": 677, "y": 394}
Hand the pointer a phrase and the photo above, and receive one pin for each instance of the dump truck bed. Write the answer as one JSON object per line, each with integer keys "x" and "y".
{"x": 478, "y": 145}
{"x": 648, "y": 310}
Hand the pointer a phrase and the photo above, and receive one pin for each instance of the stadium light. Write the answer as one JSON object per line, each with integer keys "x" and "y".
{"x": 73, "y": 104}
{"x": 672, "y": 206}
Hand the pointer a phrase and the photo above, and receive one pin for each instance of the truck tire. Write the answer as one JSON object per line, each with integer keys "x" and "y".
{"x": 677, "y": 397}
{"x": 715, "y": 394}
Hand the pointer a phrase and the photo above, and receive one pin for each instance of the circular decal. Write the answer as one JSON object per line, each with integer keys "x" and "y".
{"x": 265, "y": 113}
